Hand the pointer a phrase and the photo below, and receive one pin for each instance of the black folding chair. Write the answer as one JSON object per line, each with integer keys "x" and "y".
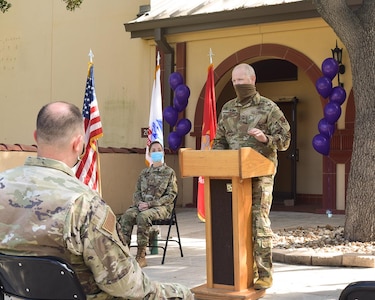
{"x": 360, "y": 290}
{"x": 38, "y": 277}
{"x": 172, "y": 220}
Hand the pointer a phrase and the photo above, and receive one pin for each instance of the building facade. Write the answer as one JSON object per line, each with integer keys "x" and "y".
{"x": 45, "y": 59}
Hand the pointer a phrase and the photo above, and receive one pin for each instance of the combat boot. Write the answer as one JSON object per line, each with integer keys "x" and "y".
{"x": 141, "y": 256}
{"x": 263, "y": 283}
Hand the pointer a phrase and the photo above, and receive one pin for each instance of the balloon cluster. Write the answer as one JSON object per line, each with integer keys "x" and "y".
{"x": 332, "y": 110}
{"x": 170, "y": 113}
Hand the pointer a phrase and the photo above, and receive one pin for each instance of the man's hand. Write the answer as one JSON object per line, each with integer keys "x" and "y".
{"x": 143, "y": 206}
{"x": 258, "y": 135}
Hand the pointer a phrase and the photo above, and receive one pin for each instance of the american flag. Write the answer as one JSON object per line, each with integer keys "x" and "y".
{"x": 88, "y": 170}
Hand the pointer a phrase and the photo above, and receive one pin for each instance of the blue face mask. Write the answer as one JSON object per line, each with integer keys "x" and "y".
{"x": 157, "y": 156}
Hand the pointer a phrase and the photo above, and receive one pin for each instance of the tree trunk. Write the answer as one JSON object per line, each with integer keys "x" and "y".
{"x": 356, "y": 29}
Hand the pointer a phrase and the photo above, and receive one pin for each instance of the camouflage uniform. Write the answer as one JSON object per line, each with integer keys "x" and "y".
{"x": 45, "y": 210}
{"x": 232, "y": 133}
{"x": 158, "y": 187}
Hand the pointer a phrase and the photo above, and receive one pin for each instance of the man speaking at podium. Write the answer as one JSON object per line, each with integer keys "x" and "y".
{"x": 251, "y": 120}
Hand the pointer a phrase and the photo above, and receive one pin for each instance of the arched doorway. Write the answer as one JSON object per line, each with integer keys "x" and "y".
{"x": 341, "y": 147}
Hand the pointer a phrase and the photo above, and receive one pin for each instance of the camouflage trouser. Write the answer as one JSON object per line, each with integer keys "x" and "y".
{"x": 143, "y": 220}
{"x": 262, "y": 232}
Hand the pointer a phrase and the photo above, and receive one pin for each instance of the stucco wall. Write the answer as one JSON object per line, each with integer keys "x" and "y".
{"x": 44, "y": 55}
{"x": 119, "y": 176}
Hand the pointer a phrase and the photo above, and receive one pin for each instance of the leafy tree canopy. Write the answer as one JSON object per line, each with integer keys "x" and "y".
{"x": 4, "y": 5}
{"x": 70, "y": 5}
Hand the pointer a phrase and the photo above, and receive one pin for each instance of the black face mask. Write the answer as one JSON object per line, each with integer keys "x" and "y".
{"x": 245, "y": 92}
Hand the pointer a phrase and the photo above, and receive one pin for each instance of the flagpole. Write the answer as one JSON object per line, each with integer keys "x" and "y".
{"x": 99, "y": 174}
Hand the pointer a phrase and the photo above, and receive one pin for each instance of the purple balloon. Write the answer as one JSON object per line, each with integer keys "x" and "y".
{"x": 174, "y": 140}
{"x": 332, "y": 112}
{"x": 326, "y": 128}
{"x": 330, "y": 67}
{"x": 183, "y": 127}
{"x": 180, "y": 104}
{"x": 338, "y": 95}
{"x": 175, "y": 79}
{"x": 321, "y": 144}
{"x": 324, "y": 86}
{"x": 182, "y": 92}
{"x": 170, "y": 115}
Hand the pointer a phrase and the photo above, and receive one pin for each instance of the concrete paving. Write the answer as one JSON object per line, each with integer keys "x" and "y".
{"x": 291, "y": 281}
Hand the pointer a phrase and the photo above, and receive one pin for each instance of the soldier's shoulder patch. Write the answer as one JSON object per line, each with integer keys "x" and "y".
{"x": 109, "y": 223}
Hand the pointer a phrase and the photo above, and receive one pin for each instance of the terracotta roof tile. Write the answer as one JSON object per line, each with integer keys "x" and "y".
{"x": 27, "y": 148}
{"x": 13, "y": 147}
{"x": 33, "y": 148}
{"x": 105, "y": 150}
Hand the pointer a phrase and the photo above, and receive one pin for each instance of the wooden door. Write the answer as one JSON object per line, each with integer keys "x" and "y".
{"x": 286, "y": 176}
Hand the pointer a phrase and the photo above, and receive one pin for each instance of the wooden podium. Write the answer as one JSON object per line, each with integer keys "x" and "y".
{"x": 229, "y": 247}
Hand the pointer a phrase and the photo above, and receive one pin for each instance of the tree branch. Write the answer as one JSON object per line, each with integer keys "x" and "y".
{"x": 70, "y": 5}
{"x": 362, "y": 13}
{"x": 342, "y": 19}
{"x": 4, "y": 5}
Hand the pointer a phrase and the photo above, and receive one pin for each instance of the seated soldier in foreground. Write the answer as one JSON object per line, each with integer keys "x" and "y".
{"x": 46, "y": 210}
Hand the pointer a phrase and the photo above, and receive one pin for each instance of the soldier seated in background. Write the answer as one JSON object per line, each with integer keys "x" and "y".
{"x": 153, "y": 199}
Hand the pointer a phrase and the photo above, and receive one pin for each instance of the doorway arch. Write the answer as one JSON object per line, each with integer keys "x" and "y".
{"x": 341, "y": 147}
